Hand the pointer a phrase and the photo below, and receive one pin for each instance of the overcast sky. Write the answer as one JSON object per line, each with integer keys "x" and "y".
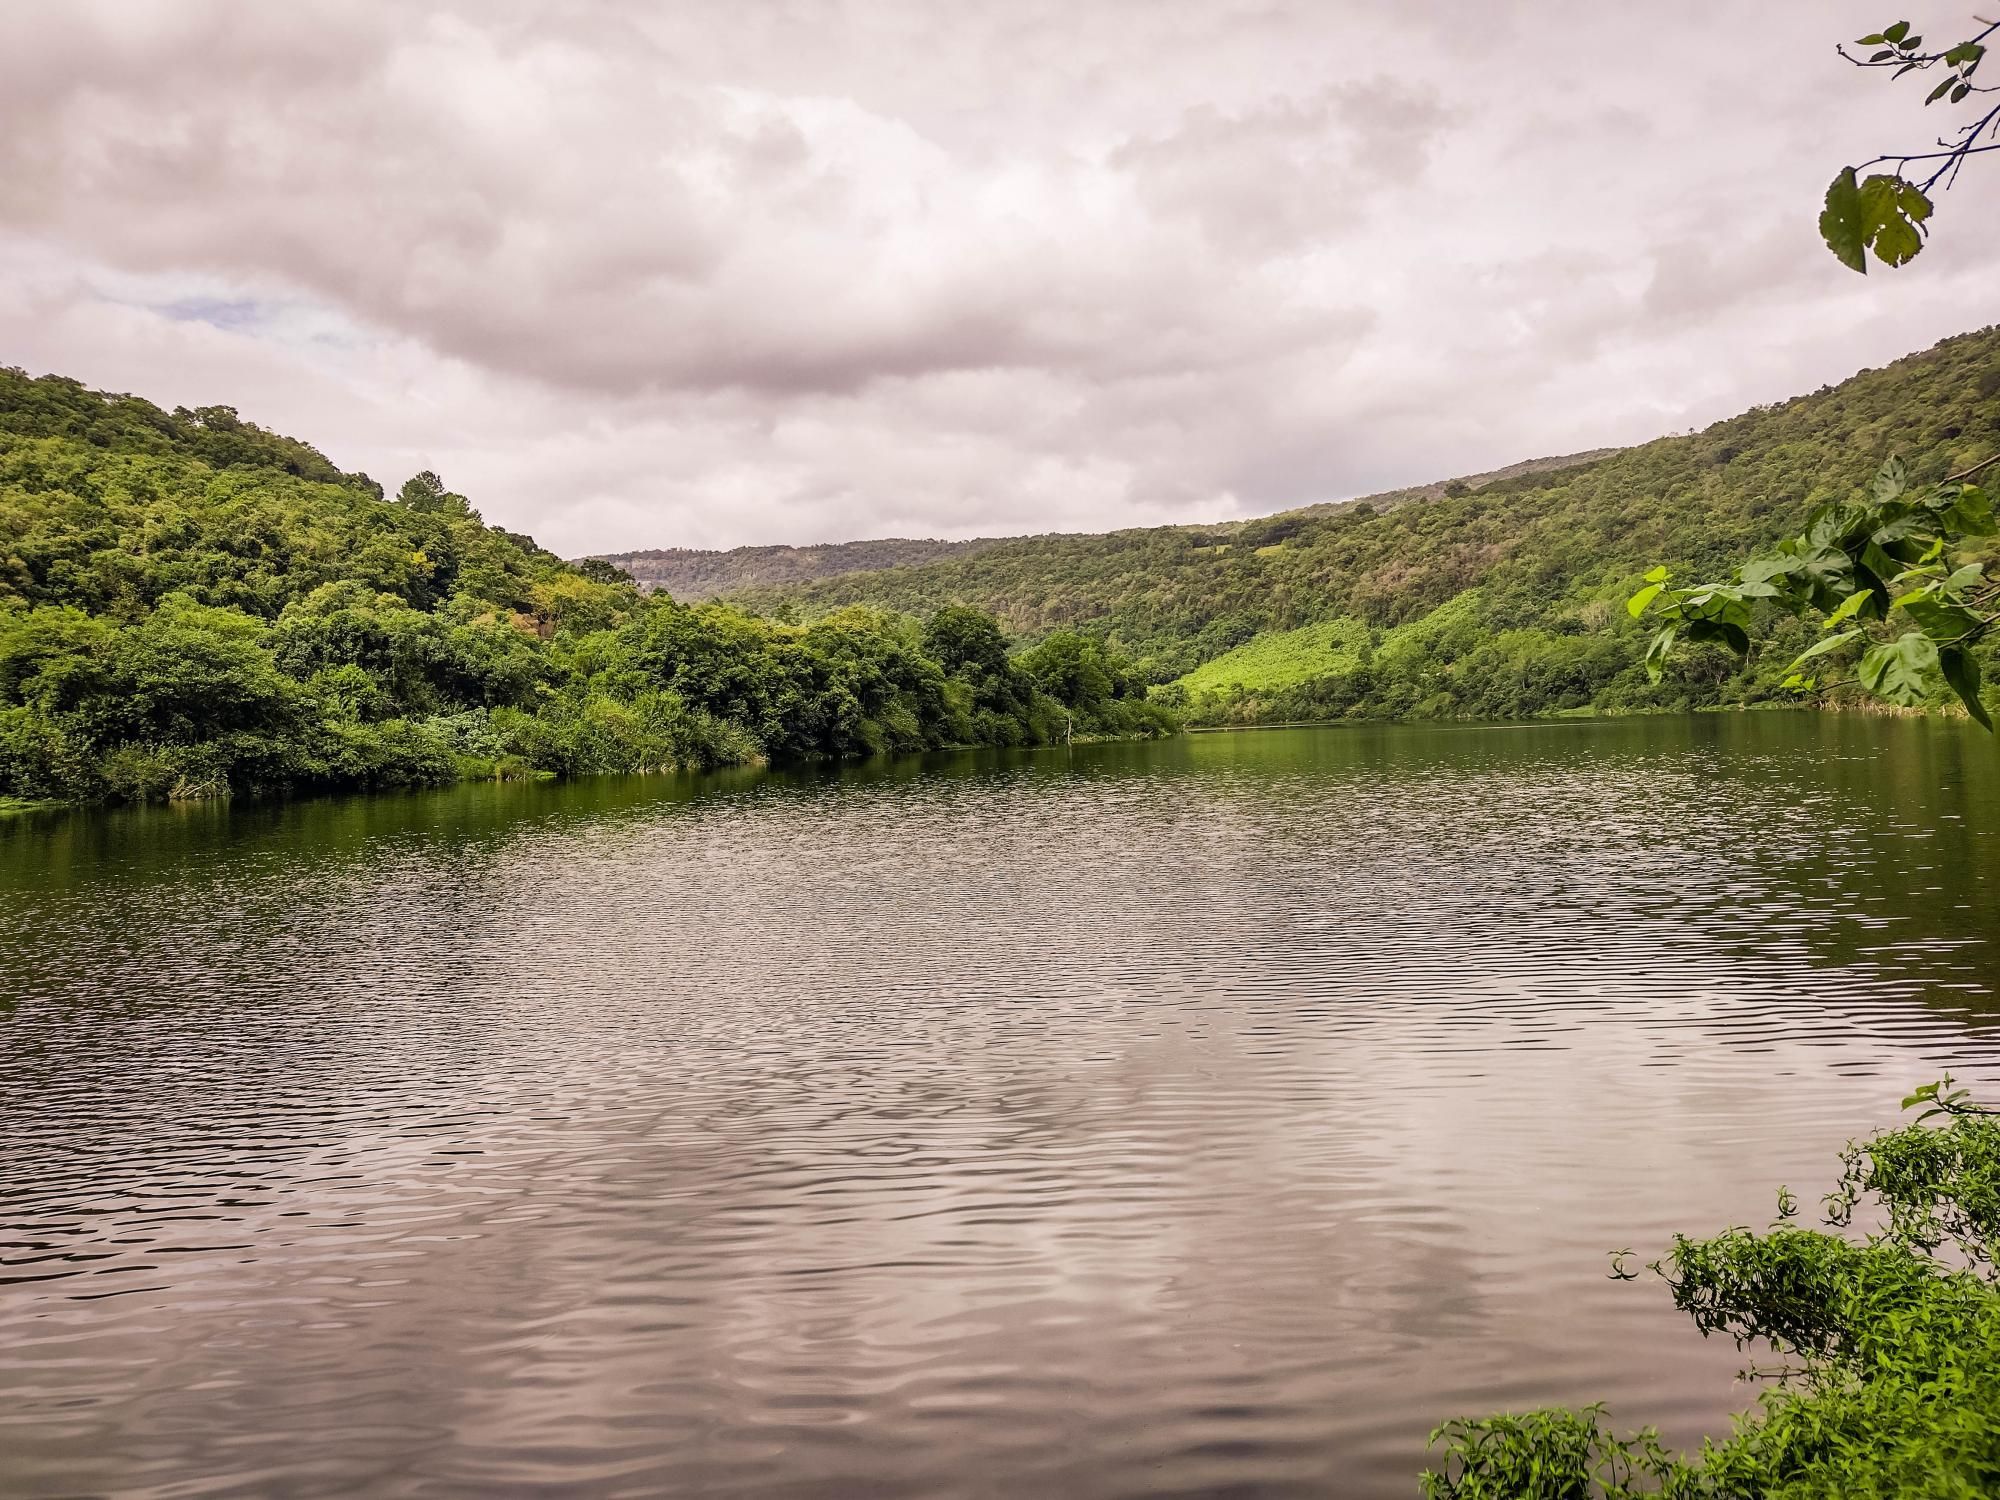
{"x": 636, "y": 275}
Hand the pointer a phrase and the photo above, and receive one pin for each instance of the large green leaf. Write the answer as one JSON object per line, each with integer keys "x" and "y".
{"x": 1912, "y": 526}
{"x": 1892, "y": 209}
{"x": 1831, "y": 575}
{"x": 1961, "y": 670}
{"x": 1764, "y": 569}
{"x": 1901, "y": 670}
{"x": 1871, "y": 568}
{"x": 1840, "y": 222}
{"x": 1830, "y": 526}
{"x": 1849, "y": 607}
{"x": 1890, "y": 481}
{"x": 1941, "y": 619}
{"x": 1971, "y": 513}
{"x": 1881, "y": 213}
{"x": 1820, "y": 648}
{"x": 1656, "y": 652}
{"x": 1715, "y": 602}
{"x": 1728, "y": 632}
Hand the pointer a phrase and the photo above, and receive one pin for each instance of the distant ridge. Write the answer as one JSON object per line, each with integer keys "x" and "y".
{"x": 1439, "y": 488}
{"x": 1493, "y": 596}
{"x": 690, "y": 574}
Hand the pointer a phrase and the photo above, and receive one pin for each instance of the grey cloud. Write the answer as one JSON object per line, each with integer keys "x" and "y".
{"x": 1284, "y": 171}
{"x": 583, "y": 219}
{"x": 713, "y": 273}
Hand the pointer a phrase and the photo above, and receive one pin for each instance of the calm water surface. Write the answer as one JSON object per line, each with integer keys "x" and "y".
{"x": 1207, "y": 1118}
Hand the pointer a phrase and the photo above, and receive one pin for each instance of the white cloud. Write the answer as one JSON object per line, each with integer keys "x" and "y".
{"x": 708, "y": 274}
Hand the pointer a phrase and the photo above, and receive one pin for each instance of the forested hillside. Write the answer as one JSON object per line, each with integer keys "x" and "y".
{"x": 191, "y": 606}
{"x": 691, "y": 573}
{"x": 1498, "y": 602}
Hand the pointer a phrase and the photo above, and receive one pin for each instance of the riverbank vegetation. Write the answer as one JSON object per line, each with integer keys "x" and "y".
{"x": 1505, "y": 600}
{"x": 191, "y": 606}
{"x": 1888, "y": 1347}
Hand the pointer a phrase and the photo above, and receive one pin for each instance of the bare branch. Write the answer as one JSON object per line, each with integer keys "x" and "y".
{"x": 1964, "y": 474}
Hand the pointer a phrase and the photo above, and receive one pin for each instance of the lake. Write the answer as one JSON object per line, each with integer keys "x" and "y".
{"x": 1209, "y": 1117}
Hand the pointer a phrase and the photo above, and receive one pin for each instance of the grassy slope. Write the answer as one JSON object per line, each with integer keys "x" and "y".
{"x": 1284, "y": 658}
{"x": 1537, "y": 563}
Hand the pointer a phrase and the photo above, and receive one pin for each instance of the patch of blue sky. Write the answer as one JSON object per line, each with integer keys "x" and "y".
{"x": 233, "y": 314}
{"x": 273, "y": 316}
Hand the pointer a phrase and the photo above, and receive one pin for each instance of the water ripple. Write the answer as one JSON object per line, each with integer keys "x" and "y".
{"x": 1206, "y": 1118}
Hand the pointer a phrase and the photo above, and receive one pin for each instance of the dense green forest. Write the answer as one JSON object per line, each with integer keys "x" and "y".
{"x": 691, "y": 573}
{"x": 191, "y": 606}
{"x": 1500, "y": 601}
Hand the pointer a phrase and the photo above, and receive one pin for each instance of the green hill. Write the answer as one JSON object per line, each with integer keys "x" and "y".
{"x": 692, "y": 573}
{"x": 1497, "y": 602}
{"x": 192, "y": 607}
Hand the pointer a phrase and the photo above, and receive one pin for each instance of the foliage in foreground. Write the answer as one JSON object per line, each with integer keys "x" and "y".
{"x": 1886, "y": 214}
{"x": 1890, "y": 1382}
{"x": 1897, "y": 555}
{"x": 191, "y": 606}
